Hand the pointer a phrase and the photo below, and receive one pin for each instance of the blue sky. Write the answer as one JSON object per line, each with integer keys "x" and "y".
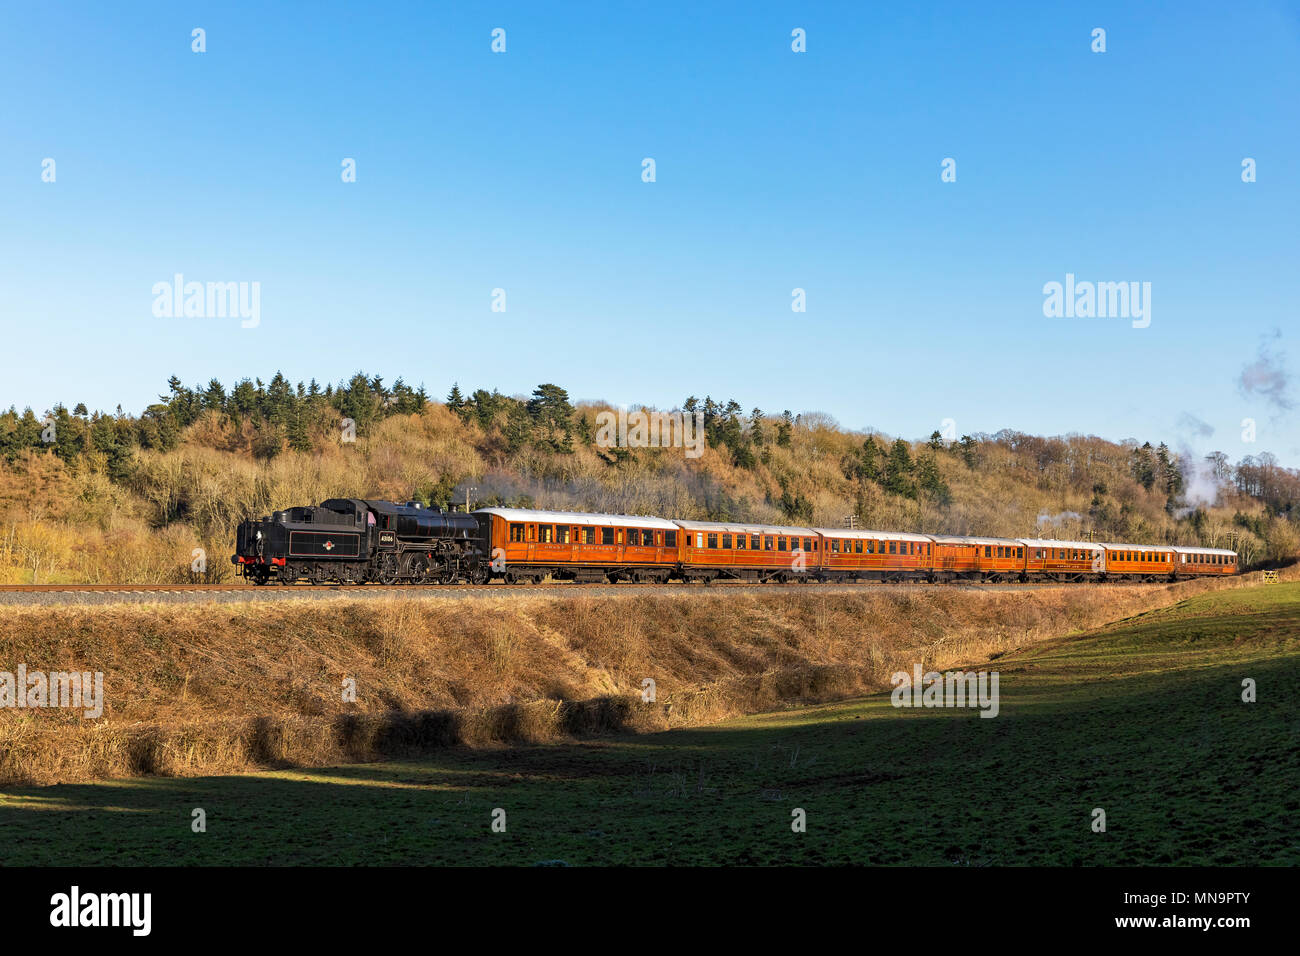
{"x": 775, "y": 170}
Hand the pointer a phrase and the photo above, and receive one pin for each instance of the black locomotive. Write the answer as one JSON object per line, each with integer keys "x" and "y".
{"x": 354, "y": 540}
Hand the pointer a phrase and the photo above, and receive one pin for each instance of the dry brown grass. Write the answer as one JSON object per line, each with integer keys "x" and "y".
{"x": 222, "y": 688}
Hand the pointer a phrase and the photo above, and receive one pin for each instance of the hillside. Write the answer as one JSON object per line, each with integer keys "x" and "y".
{"x": 121, "y": 498}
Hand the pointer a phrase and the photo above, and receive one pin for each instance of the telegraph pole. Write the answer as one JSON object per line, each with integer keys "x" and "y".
{"x": 851, "y": 522}
{"x": 467, "y": 493}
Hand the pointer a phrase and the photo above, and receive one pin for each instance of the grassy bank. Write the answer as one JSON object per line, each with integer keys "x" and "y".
{"x": 1142, "y": 718}
{"x": 228, "y": 688}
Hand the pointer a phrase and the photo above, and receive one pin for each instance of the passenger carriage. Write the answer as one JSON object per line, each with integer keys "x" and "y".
{"x": 978, "y": 558}
{"x": 747, "y": 552}
{"x": 874, "y": 555}
{"x": 1137, "y": 562}
{"x": 1054, "y": 560}
{"x": 1191, "y": 562}
{"x": 527, "y": 546}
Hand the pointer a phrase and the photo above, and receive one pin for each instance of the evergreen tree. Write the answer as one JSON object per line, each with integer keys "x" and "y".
{"x": 898, "y": 471}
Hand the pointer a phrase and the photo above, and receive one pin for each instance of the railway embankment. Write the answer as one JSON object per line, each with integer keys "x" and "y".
{"x": 218, "y": 688}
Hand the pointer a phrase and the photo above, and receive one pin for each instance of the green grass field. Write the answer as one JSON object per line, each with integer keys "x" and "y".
{"x": 1143, "y": 719}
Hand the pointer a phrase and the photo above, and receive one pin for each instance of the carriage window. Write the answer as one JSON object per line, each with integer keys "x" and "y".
{"x": 755, "y": 544}
{"x": 780, "y": 544}
{"x": 562, "y": 534}
{"x": 767, "y": 542}
{"x": 1020, "y": 552}
{"x": 517, "y": 532}
{"x": 835, "y": 546}
{"x": 1038, "y": 555}
{"x": 726, "y": 541}
{"x": 588, "y": 535}
{"x": 699, "y": 540}
{"x": 988, "y": 551}
{"x": 606, "y": 535}
{"x": 670, "y": 538}
{"x": 545, "y": 533}
{"x": 713, "y": 540}
{"x": 857, "y": 546}
{"x": 648, "y": 538}
{"x": 893, "y": 547}
{"x": 741, "y": 541}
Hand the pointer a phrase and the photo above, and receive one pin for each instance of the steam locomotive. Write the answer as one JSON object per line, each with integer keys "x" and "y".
{"x": 355, "y": 540}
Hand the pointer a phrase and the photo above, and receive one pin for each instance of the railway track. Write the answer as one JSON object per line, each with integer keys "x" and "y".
{"x": 108, "y": 588}
{"x": 50, "y": 594}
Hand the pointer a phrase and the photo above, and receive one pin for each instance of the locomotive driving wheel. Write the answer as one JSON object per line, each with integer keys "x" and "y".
{"x": 387, "y": 573}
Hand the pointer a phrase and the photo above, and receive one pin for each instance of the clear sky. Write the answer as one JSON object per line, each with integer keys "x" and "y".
{"x": 775, "y": 170}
